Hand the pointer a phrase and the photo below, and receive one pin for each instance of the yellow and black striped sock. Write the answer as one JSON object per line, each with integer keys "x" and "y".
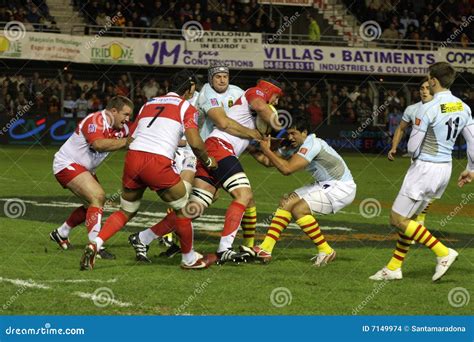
{"x": 280, "y": 221}
{"x": 311, "y": 227}
{"x": 420, "y": 234}
{"x": 249, "y": 223}
{"x": 403, "y": 245}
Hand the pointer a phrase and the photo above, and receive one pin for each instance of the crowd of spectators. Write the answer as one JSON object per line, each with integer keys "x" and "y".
{"x": 34, "y": 14}
{"x": 420, "y": 21}
{"x": 227, "y": 16}
{"x": 344, "y": 102}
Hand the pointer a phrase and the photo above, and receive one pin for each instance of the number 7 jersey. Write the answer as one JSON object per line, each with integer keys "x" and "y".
{"x": 161, "y": 123}
{"x": 443, "y": 119}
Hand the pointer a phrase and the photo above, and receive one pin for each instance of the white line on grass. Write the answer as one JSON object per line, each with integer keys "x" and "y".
{"x": 25, "y": 283}
{"x": 94, "y": 298}
{"x": 74, "y": 281}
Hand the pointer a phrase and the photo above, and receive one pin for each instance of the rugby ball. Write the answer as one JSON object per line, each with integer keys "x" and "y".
{"x": 263, "y": 127}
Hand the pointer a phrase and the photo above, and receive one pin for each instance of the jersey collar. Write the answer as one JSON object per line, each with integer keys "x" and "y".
{"x": 441, "y": 93}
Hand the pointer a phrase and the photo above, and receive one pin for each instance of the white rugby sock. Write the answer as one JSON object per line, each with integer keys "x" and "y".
{"x": 147, "y": 236}
{"x": 64, "y": 230}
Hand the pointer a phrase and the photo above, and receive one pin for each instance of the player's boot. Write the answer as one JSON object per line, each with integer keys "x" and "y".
{"x": 201, "y": 262}
{"x": 230, "y": 255}
{"x": 103, "y": 253}
{"x": 322, "y": 259}
{"x": 262, "y": 254}
{"x": 386, "y": 274}
{"x": 247, "y": 252}
{"x": 140, "y": 248}
{"x": 171, "y": 251}
{"x": 167, "y": 240}
{"x": 64, "y": 243}
{"x": 444, "y": 263}
{"x": 88, "y": 257}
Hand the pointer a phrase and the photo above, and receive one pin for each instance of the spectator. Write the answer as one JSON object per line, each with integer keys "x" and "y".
{"x": 150, "y": 89}
{"x": 81, "y": 106}
{"x": 69, "y": 106}
{"x": 314, "y": 32}
{"x": 315, "y": 113}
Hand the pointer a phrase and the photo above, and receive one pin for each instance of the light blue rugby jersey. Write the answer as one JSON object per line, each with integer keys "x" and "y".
{"x": 443, "y": 119}
{"x": 325, "y": 164}
{"x": 209, "y": 98}
{"x": 410, "y": 112}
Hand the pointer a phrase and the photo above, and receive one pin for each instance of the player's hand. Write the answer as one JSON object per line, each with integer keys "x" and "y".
{"x": 465, "y": 177}
{"x": 265, "y": 143}
{"x": 211, "y": 163}
{"x": 255, "y": 135}
{"x": 391, "y": 154}
{"x": 129, "y": 141}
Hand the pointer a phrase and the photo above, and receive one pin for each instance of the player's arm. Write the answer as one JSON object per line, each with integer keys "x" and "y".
{"x": 191, "y": 132}
{"x": 397, "y": 137}
{"x": 259, "y": 105}
{"x": 467, "y": 175}
{"x": 286, "y": 167}
{"x": 109, "y": 145}
{"x": 228, "y": 125}
{"x": 418, "y": 134}
{"x": 93, "y": 132}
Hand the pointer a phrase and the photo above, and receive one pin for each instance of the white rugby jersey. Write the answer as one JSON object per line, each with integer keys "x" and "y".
{"x": 325, "y": 164}
{"x": 242, "y": 113}
{"x": 78, "y": 148}
{"x": 209, "y": 98}
{"x": 441, "y": 121}
{"x": 161, "y": 123}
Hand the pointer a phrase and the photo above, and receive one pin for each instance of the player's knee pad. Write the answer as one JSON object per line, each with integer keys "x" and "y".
{"x": 189, "y": 187}
{"x": 202, "y": 197}
{"x": 179, "y": 203}
{"x": 129, "y": 207}
{"x": 239, "y": 180}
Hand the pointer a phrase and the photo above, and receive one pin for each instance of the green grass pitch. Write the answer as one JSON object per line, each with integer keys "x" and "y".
{"x": 38, "y": 278}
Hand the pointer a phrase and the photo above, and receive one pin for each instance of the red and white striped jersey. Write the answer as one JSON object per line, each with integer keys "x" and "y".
{"x": 78, "y": 148}
{"x": 242, "y": 113}
{"x": 161, "y": 123}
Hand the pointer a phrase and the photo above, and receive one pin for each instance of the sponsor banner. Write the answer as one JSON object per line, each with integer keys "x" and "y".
{"x": 39, "y": 129}
{"x": 249, "y": 54}
{"x": 237, "y": 42}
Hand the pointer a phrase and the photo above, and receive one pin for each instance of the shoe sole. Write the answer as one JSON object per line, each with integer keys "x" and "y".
{"x": 447, "y": 268}
{"x": 86, "y": 264}
{"x": 329, "y": 259}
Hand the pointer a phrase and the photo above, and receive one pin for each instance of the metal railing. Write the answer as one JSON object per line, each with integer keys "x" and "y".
{"x": 285, "y": 39}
